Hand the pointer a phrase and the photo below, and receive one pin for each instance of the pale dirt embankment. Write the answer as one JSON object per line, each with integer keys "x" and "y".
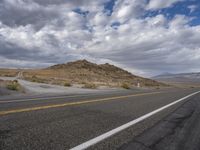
{"x": 31, "y": 88}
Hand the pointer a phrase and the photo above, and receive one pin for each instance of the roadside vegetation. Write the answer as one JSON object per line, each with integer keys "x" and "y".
{"x": 157, "y": 87}
{"x": 34, "y": 78}
{"x": 90, "y": 86}
{"x": 125, "y": 86}
{"x": 67, "y": 84}
{"x": 14, "y": 85}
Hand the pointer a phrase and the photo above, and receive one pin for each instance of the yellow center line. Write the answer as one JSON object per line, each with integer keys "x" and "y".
{"x": 39, "y": 99}
{"x": 72, "y": 103}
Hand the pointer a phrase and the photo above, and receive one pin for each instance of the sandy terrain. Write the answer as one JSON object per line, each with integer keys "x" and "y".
{"x": 42, "y": 88}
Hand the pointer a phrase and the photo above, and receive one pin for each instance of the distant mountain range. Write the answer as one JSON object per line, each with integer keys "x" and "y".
{"x": 179, "y": 78}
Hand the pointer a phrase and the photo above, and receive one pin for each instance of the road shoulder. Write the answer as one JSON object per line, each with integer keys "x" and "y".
{"x": 179, "y": 130}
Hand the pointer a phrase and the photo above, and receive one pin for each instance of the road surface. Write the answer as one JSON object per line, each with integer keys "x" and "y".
{"x": 65, "y": 122}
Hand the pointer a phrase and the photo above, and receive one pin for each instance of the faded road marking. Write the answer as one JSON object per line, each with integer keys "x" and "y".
{"x": 39, "y": 99}
{"x": 108, "y": 134}
{"x": 72, "y": 103}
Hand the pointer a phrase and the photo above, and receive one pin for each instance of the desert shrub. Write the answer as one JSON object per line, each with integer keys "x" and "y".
{"x": 15, "y": 81}
{"x": 90, "y": 86}
{"x": 152, "y": 84}
{"x": 14, "y": 85}
{"x": 157, "y": 87}
{"x": 125, "y": 86}
{"x": 83, "y": 82}
{"x": 34, "y": 78}
{"x": 67, "y": 84}
{"x": 149, "y": 84}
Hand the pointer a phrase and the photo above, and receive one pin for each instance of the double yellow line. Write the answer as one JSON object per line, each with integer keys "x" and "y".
{"x": 72, "y": 103}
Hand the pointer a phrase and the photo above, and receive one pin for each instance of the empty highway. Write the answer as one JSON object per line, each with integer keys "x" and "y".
{"x": 72, "y": 121}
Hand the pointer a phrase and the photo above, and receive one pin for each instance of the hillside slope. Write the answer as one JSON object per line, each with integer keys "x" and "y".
{"x": 84, "y": 72}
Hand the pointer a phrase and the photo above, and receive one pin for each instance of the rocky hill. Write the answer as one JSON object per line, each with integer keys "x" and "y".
{"x": 85, "y": 72}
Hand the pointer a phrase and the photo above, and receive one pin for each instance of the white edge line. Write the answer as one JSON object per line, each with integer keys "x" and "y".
{"x": 125, "y": 126}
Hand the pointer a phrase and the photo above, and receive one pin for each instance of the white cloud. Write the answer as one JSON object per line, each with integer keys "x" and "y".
{"x": 192, "y": 8}
{"x": 127, "y": 9}
{"x": 158, "y": 4}
{"x": 144, "y": 46}
{"x": 179, "y": 21}
{"x": 158, "y": 20}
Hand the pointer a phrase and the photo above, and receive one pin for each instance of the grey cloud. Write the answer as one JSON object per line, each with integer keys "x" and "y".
{"x": 16, "y": 15}
{"x": 48, "y": 32}
{"x": 90, "y": 5}
{"x": 75, "y": 3}
{"x": 159, "y": 50}
{"x": 14, "y": 52}
{"x": 50, "y": 2}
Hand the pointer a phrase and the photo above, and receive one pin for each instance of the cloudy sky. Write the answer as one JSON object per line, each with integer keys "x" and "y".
{"x": 147, "y": 37}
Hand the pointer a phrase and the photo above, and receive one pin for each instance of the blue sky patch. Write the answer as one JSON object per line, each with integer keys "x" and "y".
{"x": 180, "y": 8}
{"x": 81, "y": 12}
{"x": 108, "y": 7}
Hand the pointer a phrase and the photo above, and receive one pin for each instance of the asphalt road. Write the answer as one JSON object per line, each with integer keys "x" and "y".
{"x": 180, "y": 130}
{"x": 58, "y": 123}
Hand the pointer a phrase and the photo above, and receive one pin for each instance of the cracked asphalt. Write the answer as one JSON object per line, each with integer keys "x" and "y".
{"x": 178, "y": 131}
{"x": 64, "y": 127}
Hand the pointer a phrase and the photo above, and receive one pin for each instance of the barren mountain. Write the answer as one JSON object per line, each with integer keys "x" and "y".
{"x": 84, "y": 72}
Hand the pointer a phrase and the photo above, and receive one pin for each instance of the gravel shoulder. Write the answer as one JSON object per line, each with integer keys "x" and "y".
{"x": 33, "y": 88}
